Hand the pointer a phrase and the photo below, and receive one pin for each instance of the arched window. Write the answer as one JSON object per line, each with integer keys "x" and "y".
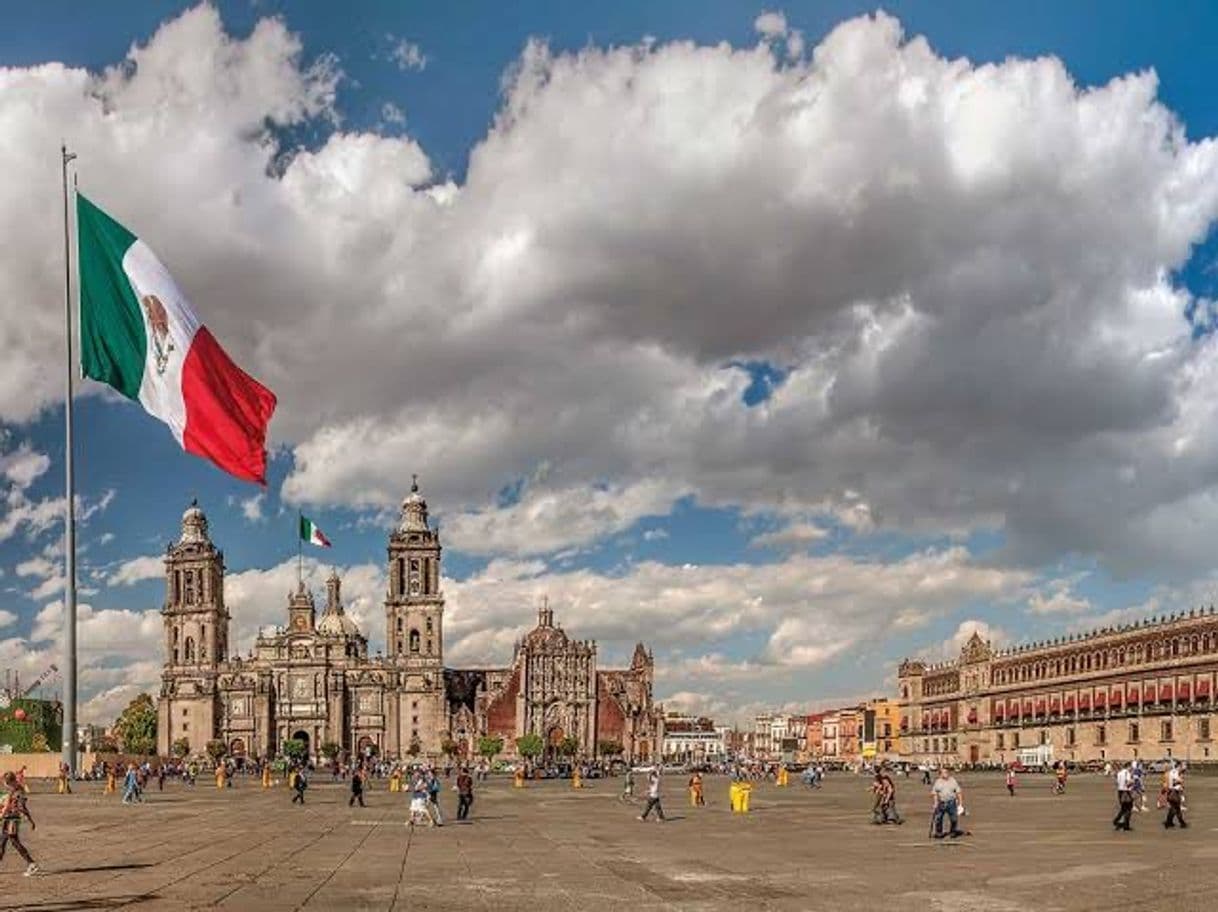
{"x": 190, "y": 649}
{"x": 399, "y": 625}
{"x": 414, "y": 641}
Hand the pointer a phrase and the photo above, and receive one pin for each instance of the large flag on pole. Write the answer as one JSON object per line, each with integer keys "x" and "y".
{"x": 139, "y": 335}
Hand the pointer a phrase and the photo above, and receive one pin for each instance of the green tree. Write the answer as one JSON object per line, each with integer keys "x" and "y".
{"x": 568, "y": 746}
{"x": 294, "y": 749}
{"x": 330, "y": 750}
{"x": 609, "y": 748}
{"x": 216, "y": 750}
{"x": 107, "y": 744}
{"x": 530, "y": 746}
{"x": 448, "y": 747}
{"x": 135, "y": 728}
{"x": 181, "y": 748}
{"x": 490, "y": 746}
{"x": 415, "y": 748}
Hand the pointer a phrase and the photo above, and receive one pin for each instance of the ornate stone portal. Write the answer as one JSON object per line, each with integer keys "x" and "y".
{"x": 313, "y": 679}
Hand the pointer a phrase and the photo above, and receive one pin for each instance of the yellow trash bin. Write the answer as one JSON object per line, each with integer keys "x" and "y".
{"x": 733, "y": 797}
{"x": 746, "y": 790}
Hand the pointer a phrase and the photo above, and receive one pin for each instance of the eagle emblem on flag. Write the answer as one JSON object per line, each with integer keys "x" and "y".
{"x": 158, "y": 319}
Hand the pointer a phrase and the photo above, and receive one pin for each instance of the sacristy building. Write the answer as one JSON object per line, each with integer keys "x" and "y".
{"x": 313, "y": 679}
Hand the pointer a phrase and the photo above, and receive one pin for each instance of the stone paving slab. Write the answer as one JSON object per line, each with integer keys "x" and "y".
{"x": 552, "y": 847}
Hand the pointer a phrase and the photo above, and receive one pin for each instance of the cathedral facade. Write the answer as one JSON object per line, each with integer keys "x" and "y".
{"x": 313, "y": 680}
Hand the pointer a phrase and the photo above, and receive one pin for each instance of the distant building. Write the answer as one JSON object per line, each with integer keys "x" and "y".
{"x": 1139, "y": 691}
{"x": 693, "y": 740}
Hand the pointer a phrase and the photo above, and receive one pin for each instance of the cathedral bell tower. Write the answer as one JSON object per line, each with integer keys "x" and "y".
{"x": 414, "y": 606}
{"x": 196, "y": 635}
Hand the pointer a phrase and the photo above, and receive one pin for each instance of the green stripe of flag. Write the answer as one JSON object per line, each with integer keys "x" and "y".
{"x": 113, "y": 344}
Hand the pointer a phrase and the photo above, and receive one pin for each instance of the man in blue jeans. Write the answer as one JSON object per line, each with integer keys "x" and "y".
{"x": 948, "y": 796}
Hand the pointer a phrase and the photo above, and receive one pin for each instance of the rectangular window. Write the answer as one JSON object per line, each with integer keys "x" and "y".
{"x": 1044, "y": 737}
{"x": 998, "y": 741}
{"x": 1133, "y": 732}
{"x": 185, "y": 726}
{"x": 1203, "y": 729}
{"x": 1070, "y": 736}
{"x": 414, "y": 565}
{"x": 1014, "y": 739}
{"x": 1165, "y": 730}
{"x": 1101, "y": 734}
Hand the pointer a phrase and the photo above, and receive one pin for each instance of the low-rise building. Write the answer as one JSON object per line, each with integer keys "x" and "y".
{"x": 689, "y": 739}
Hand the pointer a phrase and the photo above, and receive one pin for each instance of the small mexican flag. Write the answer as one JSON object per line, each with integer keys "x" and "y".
{"x": 139, "y": 335}
{"x": 310, "y": 533}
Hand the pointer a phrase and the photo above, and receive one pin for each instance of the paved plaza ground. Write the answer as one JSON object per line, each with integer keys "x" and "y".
{"x": 551, "y": 847}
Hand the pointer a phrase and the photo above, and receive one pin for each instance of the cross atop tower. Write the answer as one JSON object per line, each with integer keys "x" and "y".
{"x": 545, "y": 614}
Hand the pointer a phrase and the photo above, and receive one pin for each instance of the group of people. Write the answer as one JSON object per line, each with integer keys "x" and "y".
{"x": 1131, "y": 795}
{"x": 423, "y": 784}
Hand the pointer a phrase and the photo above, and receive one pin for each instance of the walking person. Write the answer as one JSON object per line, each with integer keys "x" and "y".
{"x": 948, "y": 798}
{"x": 131, "y": 785}
{"x": 1124, "y": 790}
{"x": 1139, "y": 786}
{"x": 418, "y": 800}
{"x": 628, "y": 785}
{"x": 13, "y": 806}
{"x": 300, "y": 782}
{"x": 433, "y": 797}
{"x": 357, "y": 787}
{"x": 885, "y": 808}
{"x": 696, "y": 798}
{"x": 653, "y": 796}
{"x": 1060, "y": 774}
{"x": 465, "y": 793}
{"x": 1175, "y": 798}
{"x": 1011, "y": 780}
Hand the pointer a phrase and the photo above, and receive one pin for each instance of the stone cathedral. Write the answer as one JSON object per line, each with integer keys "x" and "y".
{"x": 313, "y": 680}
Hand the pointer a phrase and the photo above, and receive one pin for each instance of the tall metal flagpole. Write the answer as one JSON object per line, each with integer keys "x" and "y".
{"x": 69, "y": 543}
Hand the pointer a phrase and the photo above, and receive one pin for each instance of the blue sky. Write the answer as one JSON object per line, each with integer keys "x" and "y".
{"x": 785, "y": 504}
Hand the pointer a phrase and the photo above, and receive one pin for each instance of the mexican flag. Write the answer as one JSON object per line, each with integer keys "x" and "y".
{"x": 139, "y": 335}
{"x": 310, "y": 533}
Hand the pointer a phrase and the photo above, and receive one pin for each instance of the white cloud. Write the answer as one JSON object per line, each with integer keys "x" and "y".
{"x": 546, "y": 520}
{"x": 770, "y": 24}
{"x": 392, "y": 114}
{"x": 795, "y": 535}
{"x": 1058, "y": 601}
{"x": 406, "y": 54}
{"x": 251, "y": 508}
{"x": 972, "y": 335}
{"x": 137, "y": 569}
{"x": 655, "y": 535}
{"x": 7, "y": 618}
{"x": 805, "y": 610}
{"x": 23, "y": 466}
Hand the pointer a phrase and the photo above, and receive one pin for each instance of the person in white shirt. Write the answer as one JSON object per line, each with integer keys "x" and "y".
{"x": 1175, "y": 798}
{"x": 653, "y": 795}
{"x": 1124, "y": 790}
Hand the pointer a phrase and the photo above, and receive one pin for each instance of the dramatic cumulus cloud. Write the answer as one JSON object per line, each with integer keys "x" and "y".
{"x": 964, "y": 272}
{"x": 803, "y": 612}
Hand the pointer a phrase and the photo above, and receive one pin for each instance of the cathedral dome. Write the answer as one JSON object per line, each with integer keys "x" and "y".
{"x": 414, "y": 510}
{"x": 337, "y": 625}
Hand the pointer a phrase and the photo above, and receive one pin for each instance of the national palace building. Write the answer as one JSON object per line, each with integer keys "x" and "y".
{"x": 313, "y": 680}
{"x": 1141, "y": 690}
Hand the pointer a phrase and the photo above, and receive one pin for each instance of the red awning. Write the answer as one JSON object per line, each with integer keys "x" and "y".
{"x": 1027, "y": 707}
{"x": 1150, "y": 693}
{"x": 972, "y": 716}
{"x": 1132, "y": 696}
{"x": 1055, "y": 705}
{"x": 904, "y": 723}
{"x": 1013, "y": 706}
{"x": 1184, "y": 689}
{"x": 1070, "y": 703}
{"x": 999, "y": 711}
{"x": 1165, "y": 693}
{"x": 1116, "y": 698}
{"x": 1100, "y": 699}
{"x": 1084, "y": 701}
{"x": 1203, "y": 689}
{"x": 925, "y": 721}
